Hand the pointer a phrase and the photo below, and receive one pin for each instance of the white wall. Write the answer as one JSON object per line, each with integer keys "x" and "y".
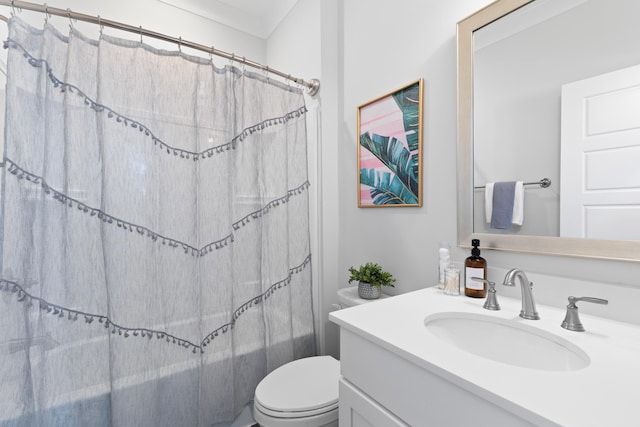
{"x": 305, "y": 44}
{"x": 386, "y": 45}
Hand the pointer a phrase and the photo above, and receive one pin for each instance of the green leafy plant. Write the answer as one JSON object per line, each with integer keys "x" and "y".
{"x": 372, "y": 274}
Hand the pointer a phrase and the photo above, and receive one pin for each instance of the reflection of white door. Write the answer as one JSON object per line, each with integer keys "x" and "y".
{"x": 600, "y": 157}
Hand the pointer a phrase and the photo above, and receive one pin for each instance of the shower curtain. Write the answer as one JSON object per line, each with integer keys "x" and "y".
{"x": 154, "y": 234}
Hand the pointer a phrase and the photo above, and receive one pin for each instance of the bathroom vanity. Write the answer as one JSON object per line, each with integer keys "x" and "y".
{"x": 426, "y": 358}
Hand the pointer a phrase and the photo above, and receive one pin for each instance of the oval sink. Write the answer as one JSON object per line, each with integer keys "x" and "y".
{"x": 507, "y": 341}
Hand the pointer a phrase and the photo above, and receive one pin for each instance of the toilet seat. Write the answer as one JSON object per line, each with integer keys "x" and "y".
{"x": 294, "y": 414}
{"x": 302, "y": 388}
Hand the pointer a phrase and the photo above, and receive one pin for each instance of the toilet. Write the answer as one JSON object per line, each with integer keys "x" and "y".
{"x": 304, "y": 392}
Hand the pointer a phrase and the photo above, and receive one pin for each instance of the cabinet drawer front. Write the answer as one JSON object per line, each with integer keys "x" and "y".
{"x": 417, "y": 396}
{"x": 358, "y": 410}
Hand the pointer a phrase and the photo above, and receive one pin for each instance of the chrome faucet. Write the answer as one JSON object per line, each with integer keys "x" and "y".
{"x": 528, "y": 304}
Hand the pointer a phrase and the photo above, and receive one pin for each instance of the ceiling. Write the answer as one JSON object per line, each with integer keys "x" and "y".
{"x": 256, "y": 17}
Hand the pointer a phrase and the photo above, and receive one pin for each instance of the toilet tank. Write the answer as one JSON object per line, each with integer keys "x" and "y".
{"x": 348, "y": 297}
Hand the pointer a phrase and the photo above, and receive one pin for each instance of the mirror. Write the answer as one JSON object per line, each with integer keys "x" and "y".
{"x": 523, "y": 66}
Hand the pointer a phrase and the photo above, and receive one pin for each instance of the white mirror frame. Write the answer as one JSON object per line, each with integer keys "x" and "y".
{"x": 576, "y": 247}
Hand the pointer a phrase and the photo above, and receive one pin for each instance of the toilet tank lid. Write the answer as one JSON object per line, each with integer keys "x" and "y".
{"x": 349, "y": 297}
{"x": 302, "y": 385}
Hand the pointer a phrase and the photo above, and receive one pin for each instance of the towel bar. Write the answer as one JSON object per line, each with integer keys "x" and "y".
{"x": 544, "y": 183}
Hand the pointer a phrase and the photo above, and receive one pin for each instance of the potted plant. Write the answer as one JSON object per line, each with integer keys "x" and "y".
{"x": 370, "y": 278}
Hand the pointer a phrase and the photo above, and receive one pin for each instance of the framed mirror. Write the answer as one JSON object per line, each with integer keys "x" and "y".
{"x": 549, "y": 92}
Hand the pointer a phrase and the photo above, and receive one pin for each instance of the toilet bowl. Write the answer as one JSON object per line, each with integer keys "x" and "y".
{"x": 302, "y": 393}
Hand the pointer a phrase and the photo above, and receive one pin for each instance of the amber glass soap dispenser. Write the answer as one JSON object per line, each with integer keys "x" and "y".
{"x": 475, "y": 266}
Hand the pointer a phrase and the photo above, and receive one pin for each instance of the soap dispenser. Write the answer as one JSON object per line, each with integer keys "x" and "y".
{"x": 475, "y": 266}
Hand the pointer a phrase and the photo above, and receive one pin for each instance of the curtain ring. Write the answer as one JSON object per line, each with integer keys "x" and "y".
{"x": 13, "y": 8}
{"x": 69, "y": 16}
{"x": 141, "y": 34}
{"x": 180, "y": 44}
{"x": 100, "y": 25}
{"x": 233, "y": 58}
{"x": 244, "y": 64}
{"x": 46, "y": 14}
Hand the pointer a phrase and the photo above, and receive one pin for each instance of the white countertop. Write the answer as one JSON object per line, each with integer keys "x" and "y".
{"x": 605, "y": 393}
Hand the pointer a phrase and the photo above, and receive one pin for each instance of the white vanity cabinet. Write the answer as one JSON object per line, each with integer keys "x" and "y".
{"x": 395, "y": 371}
{"x": 379, "y": 388}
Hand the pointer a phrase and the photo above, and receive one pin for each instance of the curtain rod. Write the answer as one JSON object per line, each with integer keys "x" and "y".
{"x": 313, "y": 85}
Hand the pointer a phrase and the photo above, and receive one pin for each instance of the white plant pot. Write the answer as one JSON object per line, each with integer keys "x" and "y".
{"x": 366, "y": 291}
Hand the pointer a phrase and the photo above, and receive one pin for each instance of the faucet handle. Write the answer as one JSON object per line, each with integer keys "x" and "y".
{"x": 572, "y": 320}
{"x": 574, "y": 300}
{"x": 491, "y": 303}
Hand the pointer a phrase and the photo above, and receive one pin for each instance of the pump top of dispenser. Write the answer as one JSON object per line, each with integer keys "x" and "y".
{"x": 475, "y": 251}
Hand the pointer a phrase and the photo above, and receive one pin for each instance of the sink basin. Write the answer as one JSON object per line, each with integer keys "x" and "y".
{"x": 506, "y": 341}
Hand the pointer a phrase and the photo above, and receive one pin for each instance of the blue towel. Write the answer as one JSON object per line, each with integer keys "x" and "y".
{"x": 503, "y": 196}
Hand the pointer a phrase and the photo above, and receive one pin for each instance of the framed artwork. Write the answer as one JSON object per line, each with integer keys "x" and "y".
{"x": 390, "y": 149}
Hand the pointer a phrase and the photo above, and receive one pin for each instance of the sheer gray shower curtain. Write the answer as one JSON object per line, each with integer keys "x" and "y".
{"x": 155, "y": 237}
